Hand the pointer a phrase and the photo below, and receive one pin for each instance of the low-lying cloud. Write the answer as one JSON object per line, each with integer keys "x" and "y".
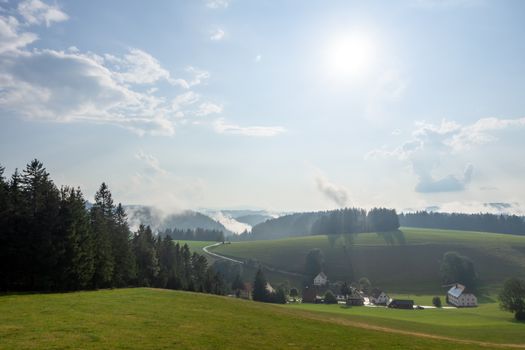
{"x": 331, "y": 191}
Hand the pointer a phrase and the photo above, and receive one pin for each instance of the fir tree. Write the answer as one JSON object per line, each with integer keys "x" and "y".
{"x": 260, "y": 293}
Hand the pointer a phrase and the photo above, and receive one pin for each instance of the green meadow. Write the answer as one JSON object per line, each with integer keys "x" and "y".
{"x": 403, "y": 262}
{"x": 144, "y": 318}
{"x": 483, "y": 323}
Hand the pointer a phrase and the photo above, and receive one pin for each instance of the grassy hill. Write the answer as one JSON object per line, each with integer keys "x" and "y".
{"x": 407, "y": 261}
{"x": 161, "y": 319}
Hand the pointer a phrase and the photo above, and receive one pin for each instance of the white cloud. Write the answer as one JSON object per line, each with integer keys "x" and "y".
{"x": 139, "y": 67}
{"x": 222, "y": 127}
{"x": 199, "y": 76}
{"x": 331, "y": 191}
{"x": 208, "y": 108}
{"x": 258, "y": 58}
{"x": 432, "y": 144}
{"x": 11, "y": 39}
{"x": 217, "y": 34}
{"x": 76, "y": 86}
{"x": 72, "y": 86}
{"x": 216, "y": 4}
{"x": 183, "y": 100}
{"x": 38, "y": 12}
{"x": 151, "y": 161}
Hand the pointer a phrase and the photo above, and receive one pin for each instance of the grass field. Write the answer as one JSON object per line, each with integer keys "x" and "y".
{"x": 161, "y": 319}
{"x": 407, "y": 262}
{"x": 484, "y": 323}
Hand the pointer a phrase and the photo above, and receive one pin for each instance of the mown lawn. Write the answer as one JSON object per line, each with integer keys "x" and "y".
{"x": 161, "y": 319}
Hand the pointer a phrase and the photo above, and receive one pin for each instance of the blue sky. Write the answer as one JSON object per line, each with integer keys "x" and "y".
{"x": 282, "y": 105}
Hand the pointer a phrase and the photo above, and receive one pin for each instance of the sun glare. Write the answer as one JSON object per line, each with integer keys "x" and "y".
{"x": 349, "y": 55}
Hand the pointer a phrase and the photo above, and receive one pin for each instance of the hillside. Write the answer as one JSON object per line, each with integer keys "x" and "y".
{"x": 157, "y": 220}
{"x": 407, "y": 261}
{"x": 162, "y": 319}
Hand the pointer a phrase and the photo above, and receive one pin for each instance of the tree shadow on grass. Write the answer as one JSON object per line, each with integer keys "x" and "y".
{"x": 396, "y": 237}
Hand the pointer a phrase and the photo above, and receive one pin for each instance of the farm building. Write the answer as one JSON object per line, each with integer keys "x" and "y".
{"x": 246, "y": 292}
{"x": 459, "y": 296}
{"x": 378, "y": 297}
{"x": 355, "y": 300}
{"x": 309, "y": 294}
{"x": 401, "y": 304}
{"x": 320, "y": 279}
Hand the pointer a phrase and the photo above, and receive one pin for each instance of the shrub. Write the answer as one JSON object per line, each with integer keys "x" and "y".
{"x": 329, "y": 298}
{"x": 436, "y": 301}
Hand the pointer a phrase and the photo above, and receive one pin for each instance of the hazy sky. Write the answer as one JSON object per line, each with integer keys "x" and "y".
{"x": 283, "y": 105}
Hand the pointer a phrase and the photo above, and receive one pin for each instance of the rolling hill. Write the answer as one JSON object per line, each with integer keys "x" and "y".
{"x": 144, "y": 318}
{"x": 157, "y": 220}
{"x": 406, "y": 261}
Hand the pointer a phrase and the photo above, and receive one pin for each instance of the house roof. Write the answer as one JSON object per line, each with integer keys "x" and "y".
{"x": 401, "y": 301}
{"x": 457, "y": 290}
{"x": 321, "y": 275}
{"x": 376, "y": 293}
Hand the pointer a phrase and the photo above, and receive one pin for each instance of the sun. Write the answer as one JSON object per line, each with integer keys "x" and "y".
{"x": 349, "y": 55}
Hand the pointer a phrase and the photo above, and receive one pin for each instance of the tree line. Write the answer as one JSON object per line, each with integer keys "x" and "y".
{"x": 510, "y": 224}
{"x": 50, "y": 241}
{"x": 333, "y": 222}
{"x": 198, "y": 234}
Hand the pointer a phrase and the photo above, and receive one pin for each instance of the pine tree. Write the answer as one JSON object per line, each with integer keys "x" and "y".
{"x": 102, "y": 214}
{"x": 76, "y": 263}
{"x": 146, "y": 257}
{"x": 260, "y": 293}
{"x": 237, "y": 285}
{"x": 124, "y": 260}
{"x": 41, "y": 201}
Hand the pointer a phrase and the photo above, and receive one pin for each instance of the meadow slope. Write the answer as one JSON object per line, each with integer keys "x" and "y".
{"x": 407, "y": 261}
{"x": 161, "y": 319}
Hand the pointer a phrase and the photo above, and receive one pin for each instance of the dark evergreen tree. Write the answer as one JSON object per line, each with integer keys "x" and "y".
{"x": 314, "y": 263}
{"x": 124, "y": 261}
{"x": 146, "y": 257}
{"x": 76, "y": 261}
{"x": 40, "y": 210}
{"x": 237, "y": 285}
{"x": 103, "y": 223}
{"x": 260, "y": 293}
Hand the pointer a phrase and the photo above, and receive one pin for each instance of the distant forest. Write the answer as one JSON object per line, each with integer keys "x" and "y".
{"x": 50, "y": 241}
{"x": 198, "y": 234}
{"x": 334, "y": 222}
{"x": 510, "y": 224}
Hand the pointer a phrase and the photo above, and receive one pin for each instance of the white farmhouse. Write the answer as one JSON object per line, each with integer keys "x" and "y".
{"x": 320, "y": 279}
{"x": 378, "y": 297}
{"x": 458, "y": 296}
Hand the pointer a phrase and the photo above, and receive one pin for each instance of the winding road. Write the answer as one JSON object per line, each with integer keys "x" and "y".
{"x": 269, "y": 268}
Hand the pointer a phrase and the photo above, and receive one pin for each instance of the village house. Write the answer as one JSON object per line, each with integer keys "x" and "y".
{"x": 309, "y": 294}
{"x": 269, "y": 288}
{"x": 401, "y": 304}
{"x": 459, "y": 296}
{"x": 246, "y": 292}
{"x": 320, "y": 279}
{"x": 355, "y": 300}
{"x": 378, "y": 297}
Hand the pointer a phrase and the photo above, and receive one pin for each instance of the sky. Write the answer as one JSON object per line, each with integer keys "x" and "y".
{"x": 280, "y": 105}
